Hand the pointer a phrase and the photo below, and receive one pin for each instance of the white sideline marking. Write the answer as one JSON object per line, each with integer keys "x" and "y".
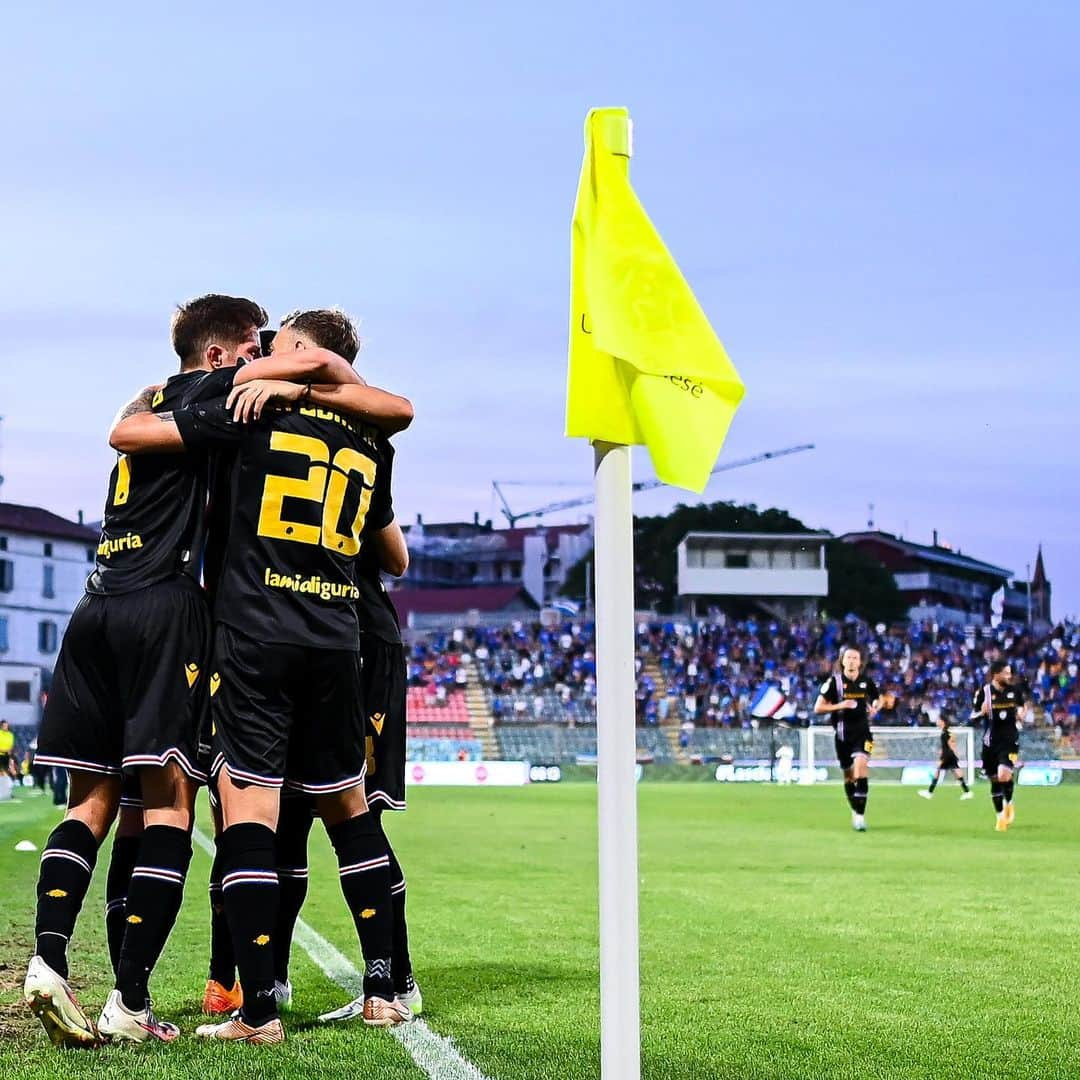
{"x": 433, "y": 1053}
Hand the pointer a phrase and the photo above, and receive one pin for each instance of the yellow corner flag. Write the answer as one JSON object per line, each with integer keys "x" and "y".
{"x": 645, "y": 365}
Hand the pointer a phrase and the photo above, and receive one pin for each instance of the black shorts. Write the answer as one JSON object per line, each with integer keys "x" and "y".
{"x": 286, "y": 714}
{"x": 384, "y": 695}
{"x": 996, "y": 754}
{"x": 846, "y": 749}
{"x": 129, "y": 687}
{"x": 949, "y": 762}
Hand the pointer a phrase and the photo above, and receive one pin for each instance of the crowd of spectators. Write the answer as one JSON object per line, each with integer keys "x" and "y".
{"x": 714, "y": 670}
{"x": 710, "y": 671}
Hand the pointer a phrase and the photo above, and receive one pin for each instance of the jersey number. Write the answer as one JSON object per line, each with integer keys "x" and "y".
{"x": 123, "y": 480}
{"x": 326, "y": 483}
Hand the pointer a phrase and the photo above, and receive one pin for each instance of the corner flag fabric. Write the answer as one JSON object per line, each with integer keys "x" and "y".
{"x": 645, "y": 365}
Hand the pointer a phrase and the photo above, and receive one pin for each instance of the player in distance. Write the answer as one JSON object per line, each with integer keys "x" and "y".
{"x": 308, "y": 489}
{"x": 948, "y": 761}
{"x": 998, "y": 704}
{"x": 850, "y": 698}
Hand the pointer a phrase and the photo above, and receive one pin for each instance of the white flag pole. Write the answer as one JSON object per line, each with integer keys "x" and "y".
{"x": 620, "y": 1021}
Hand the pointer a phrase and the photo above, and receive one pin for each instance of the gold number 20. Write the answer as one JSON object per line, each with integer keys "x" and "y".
{"x": 327, "y": 483}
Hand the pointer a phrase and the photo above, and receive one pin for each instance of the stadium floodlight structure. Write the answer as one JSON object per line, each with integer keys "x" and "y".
{"x": 895, "y": 748}
{"x": 639, "y": 485}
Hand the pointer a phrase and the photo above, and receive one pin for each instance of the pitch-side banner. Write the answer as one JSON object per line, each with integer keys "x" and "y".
{"x": 467, "y": 773}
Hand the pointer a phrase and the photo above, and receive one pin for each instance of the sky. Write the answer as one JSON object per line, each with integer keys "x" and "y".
{"x": 876, "y": 205}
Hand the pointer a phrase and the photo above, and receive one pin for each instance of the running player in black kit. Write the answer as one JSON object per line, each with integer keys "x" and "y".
{"x": 128, "y": 689}
{"x": 852, "y": 700}
{"x": 947, "y": 762}
{"x": 999, "y": 703}
{"x": 308, "y": 487}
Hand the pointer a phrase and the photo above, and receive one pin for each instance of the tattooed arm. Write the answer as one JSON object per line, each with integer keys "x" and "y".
{"x": 138, "y": 429}
{"x": 142, "y": 402}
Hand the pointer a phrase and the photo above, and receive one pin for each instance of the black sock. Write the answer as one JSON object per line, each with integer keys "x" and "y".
{"x": 67, "y": 864}
{"x": 125, "y": 851}
{"x": 963, "y": 783}
{"x": 862, "y": 792}
{"x": 250, "y": 888}
{"x": 153, "y": 902}
{"x": 364, "y": 869}
{"x": 995, "y": 795}
{"x": 849, "y": 791}
{"x": 222, "y": 957}
{"x": 294, "y": 825}
{"x": 934, "y": 782}
{"x": 1007, "y": 790}
{"x": 402, "y": 964}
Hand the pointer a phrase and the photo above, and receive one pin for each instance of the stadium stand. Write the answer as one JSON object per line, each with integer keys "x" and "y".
{"x": 697, "y": 681}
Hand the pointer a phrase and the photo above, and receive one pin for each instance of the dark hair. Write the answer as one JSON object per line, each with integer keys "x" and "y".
{"x": 998, "y": 666}
{"x": 329, "y": 328}
{"x": 213, "y": 320}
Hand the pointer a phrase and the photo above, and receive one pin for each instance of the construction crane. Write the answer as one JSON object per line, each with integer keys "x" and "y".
{"x": 641, "y": 485}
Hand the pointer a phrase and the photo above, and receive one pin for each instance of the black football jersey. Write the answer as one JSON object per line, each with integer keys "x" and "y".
{"x": 1005, "y": 705}
{"x": 306, "y": 486}
{"x": 861, "y": 690}
{"x": 153, "y": 526}
{"x": 375, "y": 610}
{"x": 946, "y": 735}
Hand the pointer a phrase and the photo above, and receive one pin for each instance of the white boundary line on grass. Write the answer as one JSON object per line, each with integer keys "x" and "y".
{"x": 433, "y": 1053}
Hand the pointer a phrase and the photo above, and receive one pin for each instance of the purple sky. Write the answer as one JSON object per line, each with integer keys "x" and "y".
{"x": 877, "y": 209}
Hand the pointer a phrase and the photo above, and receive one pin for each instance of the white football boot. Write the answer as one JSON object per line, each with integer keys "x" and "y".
{"x": 54, "y": 1003}
{"x": 118, "y": 1023}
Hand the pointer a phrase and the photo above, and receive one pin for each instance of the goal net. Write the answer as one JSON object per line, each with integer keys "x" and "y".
{"x": 907, "y": 754}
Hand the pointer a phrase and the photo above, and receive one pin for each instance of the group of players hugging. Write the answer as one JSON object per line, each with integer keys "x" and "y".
{"x": 235, "y": 632}
{"x": 851, "y": 700}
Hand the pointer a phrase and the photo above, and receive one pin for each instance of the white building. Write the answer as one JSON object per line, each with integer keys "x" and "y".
{"x": 473, "y": 555}
{"x": 44, "y": 562}
{"x": 783, "y": 573}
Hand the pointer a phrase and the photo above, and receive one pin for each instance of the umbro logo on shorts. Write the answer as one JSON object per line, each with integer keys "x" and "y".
{"x": 377, "y": 721}
{"x": 192, "y": 673}
{"x": 215, "y": 682}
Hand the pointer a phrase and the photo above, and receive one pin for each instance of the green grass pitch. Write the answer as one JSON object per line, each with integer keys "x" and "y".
{"x": 776, "y": 942}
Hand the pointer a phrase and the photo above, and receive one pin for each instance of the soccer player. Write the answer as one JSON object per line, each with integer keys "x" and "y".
{"x": 127, "y": 692}
{"x": 383, "y": 660}
{"x": 998, "y": 703}
{"x": 947, "y": 762}
{"x": 286, "y": 686}
{"x": 851, "y": 699}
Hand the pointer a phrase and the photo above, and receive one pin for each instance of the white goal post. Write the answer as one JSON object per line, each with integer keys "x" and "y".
{"x": 894, "y": 748}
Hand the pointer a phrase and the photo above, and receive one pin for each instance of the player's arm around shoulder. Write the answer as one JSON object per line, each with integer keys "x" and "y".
{"x": 194, "y": 426}
{"x": 138, "y": 429}
{"x": 322, "y": 378}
